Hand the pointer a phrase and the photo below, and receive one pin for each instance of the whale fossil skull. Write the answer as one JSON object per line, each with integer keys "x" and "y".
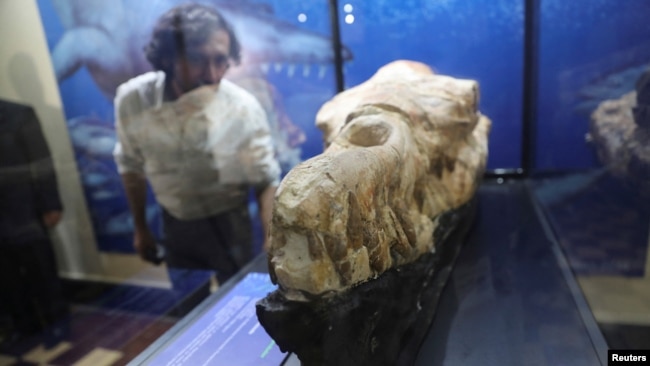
{"x": 402, "y": 149}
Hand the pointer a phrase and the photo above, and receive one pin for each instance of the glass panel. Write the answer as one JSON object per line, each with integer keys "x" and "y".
{"x": 592, "y": 159}
{"x": 287, "y": 64}
{"x": 480, "y": 40}
{"x": 588, "y": 53}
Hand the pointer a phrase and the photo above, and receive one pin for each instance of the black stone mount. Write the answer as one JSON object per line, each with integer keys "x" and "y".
{"x": 379, "y": 322}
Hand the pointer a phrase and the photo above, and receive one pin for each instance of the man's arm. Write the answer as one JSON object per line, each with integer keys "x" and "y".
{"x": 265, "y": 197}
{"x": 130, "y": 165}
{"x": 136, "y": 194}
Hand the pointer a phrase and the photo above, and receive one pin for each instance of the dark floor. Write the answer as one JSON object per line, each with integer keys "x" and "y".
{"x": 119, "y": 336}
{"x": 107, "y": 325}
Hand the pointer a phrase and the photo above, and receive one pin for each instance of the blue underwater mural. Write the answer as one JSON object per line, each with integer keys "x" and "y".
{"x": 478, "y": 39}
{"x": 589, "y": 51}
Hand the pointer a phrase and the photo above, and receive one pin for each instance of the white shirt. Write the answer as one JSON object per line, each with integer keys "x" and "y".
{"x": 200, "y": 152}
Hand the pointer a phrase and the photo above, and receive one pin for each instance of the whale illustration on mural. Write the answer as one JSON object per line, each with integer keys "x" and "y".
{"x": 108, "y": 37}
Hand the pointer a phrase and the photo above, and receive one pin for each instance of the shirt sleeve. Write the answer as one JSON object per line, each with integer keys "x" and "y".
{"x": 127, "y": 155}
{"x": 258, "y": 153}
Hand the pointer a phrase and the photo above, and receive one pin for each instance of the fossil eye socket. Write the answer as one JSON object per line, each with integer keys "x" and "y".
{"x": 367, "y": 132}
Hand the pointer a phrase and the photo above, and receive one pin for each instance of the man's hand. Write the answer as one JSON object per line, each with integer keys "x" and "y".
{"x": 145, "y": 244}
{"x": 51, "y": 218}
{"x": 265, "y": 201}
{"x": 143, "y": 240}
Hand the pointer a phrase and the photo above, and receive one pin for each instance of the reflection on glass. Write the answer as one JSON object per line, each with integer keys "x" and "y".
{"x": 592, "y": 158}
{"x": 290, "y": 78}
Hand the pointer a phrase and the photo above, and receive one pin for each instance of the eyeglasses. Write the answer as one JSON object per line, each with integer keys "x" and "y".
{"x": 201, "y": 61}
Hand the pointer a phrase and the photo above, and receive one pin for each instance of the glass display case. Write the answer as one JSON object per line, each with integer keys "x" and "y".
{"x": 590, "y": 73}
{"x": 553, "y": 269}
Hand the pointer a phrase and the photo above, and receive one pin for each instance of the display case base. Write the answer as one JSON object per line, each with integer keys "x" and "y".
{"x": 379, "y": 322}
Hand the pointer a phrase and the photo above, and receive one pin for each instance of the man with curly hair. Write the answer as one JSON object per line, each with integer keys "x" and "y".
{"x": 199, "y": 140}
